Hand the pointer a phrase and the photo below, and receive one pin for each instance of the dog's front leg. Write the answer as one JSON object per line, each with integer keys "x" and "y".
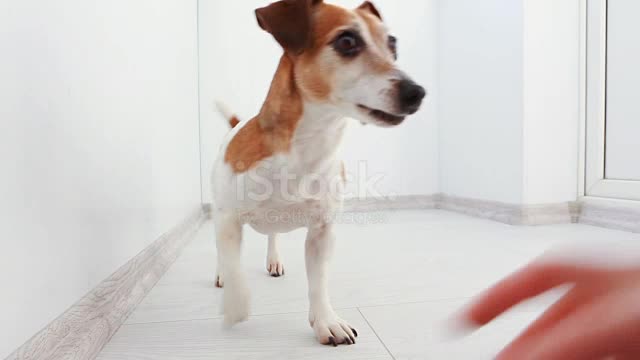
{"x": 236, "y": 291}
{"x": 328, "y": 327}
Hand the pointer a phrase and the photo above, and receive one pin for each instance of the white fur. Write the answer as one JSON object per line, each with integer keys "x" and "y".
{"x": 313, "y": 153}
{"x": 224, "y": 110}
{"x": 275, "y": 267}
{"x": 354, "y": 84}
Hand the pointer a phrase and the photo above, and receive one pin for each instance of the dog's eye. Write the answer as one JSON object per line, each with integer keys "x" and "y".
{"x": 348, "y": 44}
{"x": 393, "y": 45}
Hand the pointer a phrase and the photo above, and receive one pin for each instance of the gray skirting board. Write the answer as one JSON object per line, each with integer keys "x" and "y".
{"x": 496, "y": 211}
{"x": 611, "y": 215}
{"x": 607, "y": 213}
{"x": 418, "y": 202}
{"x": 604, "y": 213}
{"x": 546, "y": 214}
{"x": 83, "y": 330}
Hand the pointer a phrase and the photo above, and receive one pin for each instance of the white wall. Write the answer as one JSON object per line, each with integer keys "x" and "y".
{"x": 551, "y": 100}
{"x": 98, "y": 145}
{"x": 238, "y": 61}
{"x": 480, "y": 66}
{"x": 509, "y": 99}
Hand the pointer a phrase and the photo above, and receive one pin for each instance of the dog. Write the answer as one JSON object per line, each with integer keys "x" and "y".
{"x": 279, "y": 171}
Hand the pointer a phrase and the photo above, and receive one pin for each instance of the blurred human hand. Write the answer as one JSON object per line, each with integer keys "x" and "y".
{"x": 598, "y": 319}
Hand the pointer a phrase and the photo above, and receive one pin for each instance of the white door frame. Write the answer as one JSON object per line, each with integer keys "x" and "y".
{"x": 595, "y": 182}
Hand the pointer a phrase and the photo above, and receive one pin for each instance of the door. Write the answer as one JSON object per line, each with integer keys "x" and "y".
{"x": 613, "y": 99}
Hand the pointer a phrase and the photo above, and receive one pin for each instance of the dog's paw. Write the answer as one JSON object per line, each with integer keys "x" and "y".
{"x": 219, "y": 281}
{"x": 237, "y": 314}
{"x": 275, "y": 268}
{"x": 236, "y": 304}
{"x": 334, "y": 331}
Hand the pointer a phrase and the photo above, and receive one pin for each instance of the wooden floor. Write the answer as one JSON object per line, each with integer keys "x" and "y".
{"x": 396, "y": 277}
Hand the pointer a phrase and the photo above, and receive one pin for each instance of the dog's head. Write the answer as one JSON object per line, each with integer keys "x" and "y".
{"x": 345, "y": 58}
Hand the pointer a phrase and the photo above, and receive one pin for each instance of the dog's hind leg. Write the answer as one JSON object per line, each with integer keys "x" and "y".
{"x": 274, "y": 263}
{"x": 236, "y": 291}
{"x": 219, "y": 275}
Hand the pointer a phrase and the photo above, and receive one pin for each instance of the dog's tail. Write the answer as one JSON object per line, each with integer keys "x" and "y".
{"x": 228, "y": 115}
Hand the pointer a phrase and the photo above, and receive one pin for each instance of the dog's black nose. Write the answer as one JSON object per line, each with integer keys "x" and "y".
{"x": 411, "y": 96}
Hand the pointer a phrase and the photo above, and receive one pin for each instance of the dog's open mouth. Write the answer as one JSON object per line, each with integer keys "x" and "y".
{"x": 383, "y": 116}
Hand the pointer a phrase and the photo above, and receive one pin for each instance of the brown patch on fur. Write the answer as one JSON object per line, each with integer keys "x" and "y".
{"x": 289, "y": 21}
{"x": 326, "y": 19}
{"x": 298, "y": 76}
{"x": 233, "y": 122}
{"x": 315, "y": 83}
{"x": 379, "y": 64}
{"x": 373, "y": 24}
{"x": 343, "y": 173}
{"x": 368, "y": 6}
{"x": 315, "y": 77}
{"x": 272, "y": 130}
{"x": 247, "y": 148}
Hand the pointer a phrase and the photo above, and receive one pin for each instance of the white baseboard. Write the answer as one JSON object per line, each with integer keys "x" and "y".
{"x": 611, "y": 214}
{"x": 83, "y": 330}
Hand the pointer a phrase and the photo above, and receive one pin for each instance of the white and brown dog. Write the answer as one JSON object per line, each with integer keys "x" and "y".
{"x": 279, "y": 171}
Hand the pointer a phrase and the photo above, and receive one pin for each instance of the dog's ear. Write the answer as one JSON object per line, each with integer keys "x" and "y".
{"x": 368, "y": 6}
{"x": 289, "y": 21}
